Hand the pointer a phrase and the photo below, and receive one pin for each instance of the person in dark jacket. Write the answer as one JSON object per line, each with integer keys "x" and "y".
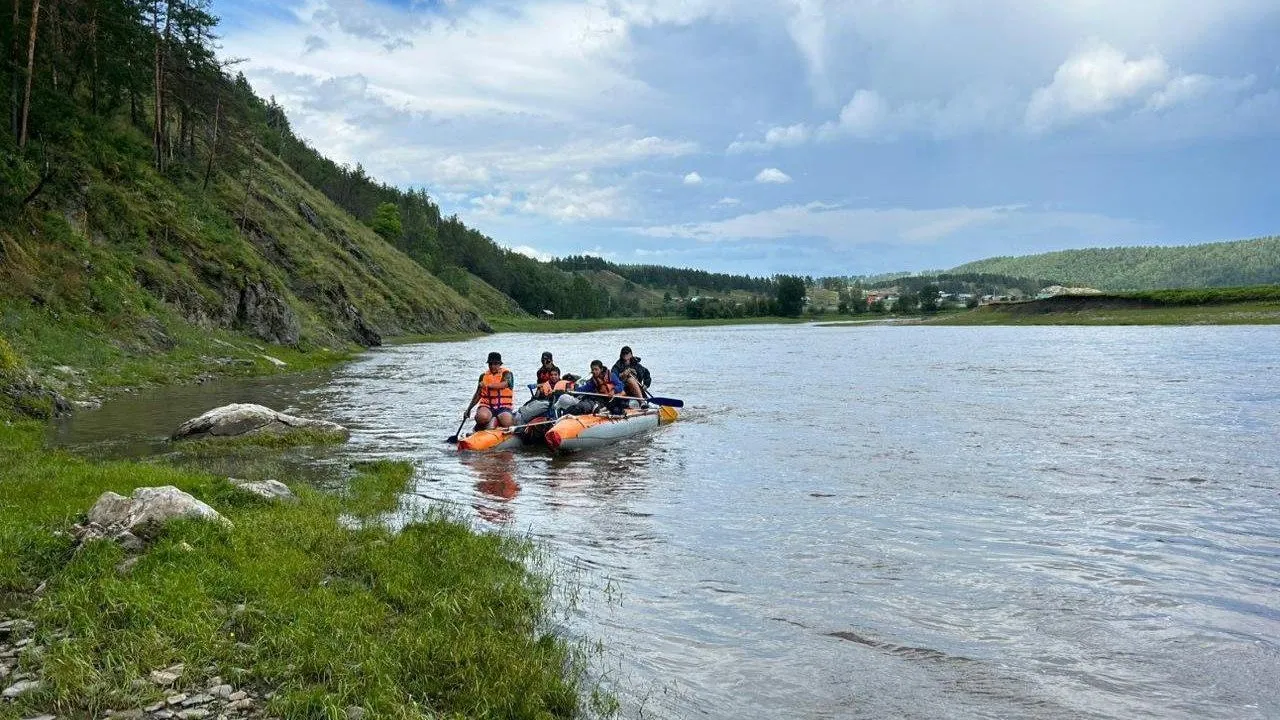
{"x": 627, "y": 360}
{"x": 545, "y": 369}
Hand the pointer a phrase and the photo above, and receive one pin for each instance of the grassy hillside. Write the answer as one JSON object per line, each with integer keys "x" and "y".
{"x": 1256, "y": 305}
{"x": 121, "y": 275}
{"x": 1244, "y": 262}
{"x": 627, "y": 297}
{"x": 489, "y": 300}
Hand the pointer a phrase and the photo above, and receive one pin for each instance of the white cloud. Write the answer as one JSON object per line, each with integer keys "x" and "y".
{"x": 901, "y": 226}
{"x": 1191, "y": 88}
{"x": 782, "y": 136}
{"x": 1094, "y": 81}
{"x": 456, "y": 171}
{"x": 864, "y": 116}
{"x": 807, "y": 26}
{"x": 727, "y": 202}
{"x": 575, "y": 203}
{"x": 532, "y": 252}
{"x": 772, "y": 175}
{"x": 493, "y": 204}
{"x": 693, "y": 178}
{"x": 612, "y": 148}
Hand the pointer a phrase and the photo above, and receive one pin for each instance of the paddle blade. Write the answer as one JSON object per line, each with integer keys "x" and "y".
{"x": 454, "y": 437}
{"x": 669, "y": 402}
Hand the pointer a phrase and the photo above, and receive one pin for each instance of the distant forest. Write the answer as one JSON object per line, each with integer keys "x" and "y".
{"x": 663, "y": 277}
{"x": 1223, "y": 264}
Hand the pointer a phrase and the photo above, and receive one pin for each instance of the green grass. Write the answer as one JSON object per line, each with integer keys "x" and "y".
{"x": 592, "y": 324}
{"x": 1208, "y": 296}
{"x": 103, "y": 360}
{"x": 1247, "y": 313}
{"x": 431, "y": 621}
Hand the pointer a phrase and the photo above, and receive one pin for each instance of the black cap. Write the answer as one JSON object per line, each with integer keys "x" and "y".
{"x": 495, "y": 358}
{"x": 626, "y": 350}
{"x": 546, "y": 354}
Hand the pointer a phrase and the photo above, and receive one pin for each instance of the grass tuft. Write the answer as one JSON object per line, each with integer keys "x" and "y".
{"x": 300, "y": 437}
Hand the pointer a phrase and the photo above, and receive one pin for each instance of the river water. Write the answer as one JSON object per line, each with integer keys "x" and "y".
{"x": 878, "y": 522}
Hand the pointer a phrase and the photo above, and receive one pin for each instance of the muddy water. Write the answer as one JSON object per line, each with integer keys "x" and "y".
{"x": 872, "y": 521}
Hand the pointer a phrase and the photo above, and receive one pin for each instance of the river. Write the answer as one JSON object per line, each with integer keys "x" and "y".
{"x": 878, "y": 522}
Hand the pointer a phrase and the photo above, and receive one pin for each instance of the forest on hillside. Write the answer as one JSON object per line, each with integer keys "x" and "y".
{"x": 82, "y": 71}
{"x": 682, "y": 281}
{"x": 1224, "y": 264}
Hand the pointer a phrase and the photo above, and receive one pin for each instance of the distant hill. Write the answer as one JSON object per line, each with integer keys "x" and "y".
{"x": 1243, "y": 262}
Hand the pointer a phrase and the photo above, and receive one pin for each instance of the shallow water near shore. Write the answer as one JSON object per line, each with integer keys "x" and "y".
{"x": 923, "y": 522}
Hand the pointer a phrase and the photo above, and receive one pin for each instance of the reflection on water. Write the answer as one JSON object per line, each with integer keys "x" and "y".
{"x": 495, "y": 485}
{"x": 873, "y": 522}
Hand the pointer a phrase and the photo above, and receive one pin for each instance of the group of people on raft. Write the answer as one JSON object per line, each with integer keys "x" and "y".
{"x": 624, "y": 385}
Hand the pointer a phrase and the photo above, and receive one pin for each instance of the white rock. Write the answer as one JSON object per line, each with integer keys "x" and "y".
{"x": 274, "y": 361}
{"x": 194, "y": 714}
{"x": 146, "y": 512}
{"x": 237, "y": 696}
{"x": 44, "y": 717}
{"x": 269, "y": 489}
{"x": 164, "y": 677}
{"x": 221, "y": 691}
{"x": 249, "y": 419}
{"x": 19, "y": 688}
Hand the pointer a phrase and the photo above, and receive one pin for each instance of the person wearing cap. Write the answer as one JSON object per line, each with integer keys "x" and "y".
{"x": 627, "y": 360}
{"x": 495, "y": 394}
{"x": 544, "y": 371}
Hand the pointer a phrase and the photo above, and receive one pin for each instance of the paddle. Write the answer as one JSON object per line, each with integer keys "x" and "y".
{"x": 454, "y": 437}
{"x": 669, "y": 402}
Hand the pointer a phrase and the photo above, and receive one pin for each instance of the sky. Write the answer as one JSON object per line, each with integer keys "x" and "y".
{"x": 820, "y": 137}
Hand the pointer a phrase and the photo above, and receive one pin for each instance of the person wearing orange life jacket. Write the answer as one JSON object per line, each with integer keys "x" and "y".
{"x": 536, "y": 414}
{"x": 543, "y": 395}
{"x": 552, "y": 385}
{"x": 495, "y": 395}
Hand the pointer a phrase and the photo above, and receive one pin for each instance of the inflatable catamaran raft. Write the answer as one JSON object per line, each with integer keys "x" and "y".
{"x": 570, "y": 433}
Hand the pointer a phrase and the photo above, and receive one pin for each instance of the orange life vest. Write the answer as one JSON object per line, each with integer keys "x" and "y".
{"x": 546, "y": 389}
{"x": 495, "y": 398}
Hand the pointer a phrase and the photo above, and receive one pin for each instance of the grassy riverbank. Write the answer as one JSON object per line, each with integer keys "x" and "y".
{"x": 536, "y": 325}
{"x": 432, "y": 621}
{"x": 1258, "y": 305}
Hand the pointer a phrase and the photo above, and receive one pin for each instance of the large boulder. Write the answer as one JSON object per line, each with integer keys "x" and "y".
{"x": 144, "y": 514}
{"x": 266, "y": 489}
{"x": 242, "y": 419}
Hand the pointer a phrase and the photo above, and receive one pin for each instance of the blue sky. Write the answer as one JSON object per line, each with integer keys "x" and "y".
{"x": 825, "y": 137}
